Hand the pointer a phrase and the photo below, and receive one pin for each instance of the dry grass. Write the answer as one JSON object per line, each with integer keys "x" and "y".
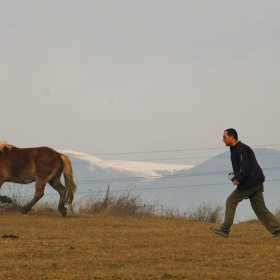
{"x": 125, "y": 203}
{"x": 86, "y": 246}
{"x": 122, "y": 237}
{"x": 130, "y": 205}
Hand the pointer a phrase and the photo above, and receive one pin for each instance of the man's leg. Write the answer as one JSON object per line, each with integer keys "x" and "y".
{"x": 231, "y": 204}
{"x": 264, "y": 215}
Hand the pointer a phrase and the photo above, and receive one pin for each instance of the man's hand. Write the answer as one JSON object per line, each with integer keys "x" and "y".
{"x": 235, "y": 182}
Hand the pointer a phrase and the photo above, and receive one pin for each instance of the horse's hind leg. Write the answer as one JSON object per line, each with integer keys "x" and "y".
{"x": 56, "y": 184}
{"x": 39, "y": 192}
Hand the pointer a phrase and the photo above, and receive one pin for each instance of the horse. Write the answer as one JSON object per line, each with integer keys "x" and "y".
{"x": 41, "y": 165}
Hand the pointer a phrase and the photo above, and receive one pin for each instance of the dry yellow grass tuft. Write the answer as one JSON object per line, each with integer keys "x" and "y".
{"x": 84, "y": 246}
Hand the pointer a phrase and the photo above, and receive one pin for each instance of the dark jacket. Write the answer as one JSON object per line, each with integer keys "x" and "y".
{"x": 245, "y": 166}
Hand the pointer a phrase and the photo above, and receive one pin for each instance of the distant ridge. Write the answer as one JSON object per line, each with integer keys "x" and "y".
{"x": 176, "y": 186}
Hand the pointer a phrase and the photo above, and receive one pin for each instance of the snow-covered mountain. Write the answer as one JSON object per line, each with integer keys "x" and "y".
{"x": 134, "y": 168}
{"x": 94, "y": 175}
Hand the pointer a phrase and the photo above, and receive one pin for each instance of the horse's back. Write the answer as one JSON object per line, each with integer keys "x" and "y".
{"x": 24, "y": 165}
{"x": 29, "y": 155}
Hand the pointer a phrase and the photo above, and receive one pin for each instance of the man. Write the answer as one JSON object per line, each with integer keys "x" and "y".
{"x": 249, "y": 178}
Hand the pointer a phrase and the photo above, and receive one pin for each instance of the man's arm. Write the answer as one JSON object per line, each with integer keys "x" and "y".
{"x": 243, "y": 159}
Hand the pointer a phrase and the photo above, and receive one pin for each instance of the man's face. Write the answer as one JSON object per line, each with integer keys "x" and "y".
{"x": 228, "y": 140}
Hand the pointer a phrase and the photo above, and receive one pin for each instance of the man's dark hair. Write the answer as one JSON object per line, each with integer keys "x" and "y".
{"x": 232, "y": 132}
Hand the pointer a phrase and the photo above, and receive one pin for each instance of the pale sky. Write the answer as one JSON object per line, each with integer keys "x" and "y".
{"x": 128, "y": 78}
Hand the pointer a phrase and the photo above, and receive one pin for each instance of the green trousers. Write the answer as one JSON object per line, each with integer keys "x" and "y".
{"x": 255, "y": 195}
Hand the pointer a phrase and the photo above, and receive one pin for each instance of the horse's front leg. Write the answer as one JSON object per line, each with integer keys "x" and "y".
{"x": 39, "y": 193}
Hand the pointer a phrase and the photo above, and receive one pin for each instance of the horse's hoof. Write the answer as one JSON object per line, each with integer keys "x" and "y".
{"x": 23, "y": 211}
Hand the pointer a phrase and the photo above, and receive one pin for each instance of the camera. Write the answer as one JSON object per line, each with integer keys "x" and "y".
{"x": 231, "y": 176}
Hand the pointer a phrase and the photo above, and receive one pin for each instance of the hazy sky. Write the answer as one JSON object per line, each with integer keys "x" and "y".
{"x": 110, "y": 77}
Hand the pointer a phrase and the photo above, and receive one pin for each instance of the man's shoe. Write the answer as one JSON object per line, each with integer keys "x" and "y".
{"x": 276, "y": 234}
{"x": 220, "y": 231}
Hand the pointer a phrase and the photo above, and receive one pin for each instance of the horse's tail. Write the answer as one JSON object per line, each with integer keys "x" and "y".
{"x": 69, "y": 182}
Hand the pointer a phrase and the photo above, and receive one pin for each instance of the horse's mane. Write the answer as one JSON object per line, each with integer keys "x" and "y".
{"x": 4, "y": 144}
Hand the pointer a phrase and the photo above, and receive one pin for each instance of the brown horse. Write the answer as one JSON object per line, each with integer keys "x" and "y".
{"x": 42, "y": 165}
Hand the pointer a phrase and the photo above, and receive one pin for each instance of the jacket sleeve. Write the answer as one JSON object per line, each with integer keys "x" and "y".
{"x": 243, "y": 159}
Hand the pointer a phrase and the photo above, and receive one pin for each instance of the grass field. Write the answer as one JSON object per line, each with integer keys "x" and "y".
{"x": 85, "y": 246}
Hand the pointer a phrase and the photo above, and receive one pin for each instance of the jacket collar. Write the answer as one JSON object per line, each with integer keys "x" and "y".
{"x": 232, "y": 147}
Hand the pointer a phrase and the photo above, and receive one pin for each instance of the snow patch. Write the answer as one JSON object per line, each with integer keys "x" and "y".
{"x": 138, "y": 168}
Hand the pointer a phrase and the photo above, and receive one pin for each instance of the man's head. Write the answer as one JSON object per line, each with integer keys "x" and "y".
{"x": 230, "y": 137}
